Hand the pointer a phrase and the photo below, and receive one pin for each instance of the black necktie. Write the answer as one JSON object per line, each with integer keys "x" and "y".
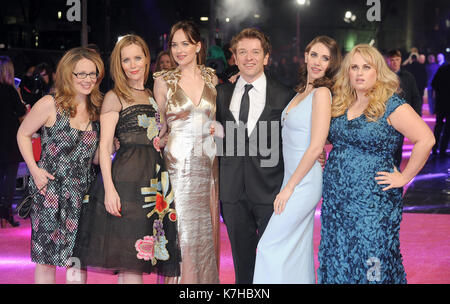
{"x": 245, "y": 104}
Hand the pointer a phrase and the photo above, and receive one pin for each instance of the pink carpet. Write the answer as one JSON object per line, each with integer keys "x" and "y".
{"x": 425, "y": 246}
{"x": 424, "y": 242}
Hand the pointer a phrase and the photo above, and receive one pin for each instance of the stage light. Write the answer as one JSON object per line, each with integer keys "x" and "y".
{"x": 59, "y": 14}
{"x": 301, "y": 2}
{"x": 204, "y": 18}
{"x": 227, "y": 20}
{"x": 349, "y": 17}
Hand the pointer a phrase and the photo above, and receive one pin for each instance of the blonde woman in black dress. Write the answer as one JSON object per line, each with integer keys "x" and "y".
{"x": 128, "y": 224}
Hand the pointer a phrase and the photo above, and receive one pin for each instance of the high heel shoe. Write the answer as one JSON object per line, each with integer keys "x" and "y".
{"x": 7, "y": 216}
{"x": 12, "y": 222}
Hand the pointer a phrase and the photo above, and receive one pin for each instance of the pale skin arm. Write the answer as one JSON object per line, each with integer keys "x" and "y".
{"x": 43, "y": 113}
{"x": 212, "y": 129}
{"x": 320, "y": 124}
{"x": 96, "y": 159}
{"x": 108, "y": 122}
{"x": 406, "y": 121}
{"x": 160, "y": 94}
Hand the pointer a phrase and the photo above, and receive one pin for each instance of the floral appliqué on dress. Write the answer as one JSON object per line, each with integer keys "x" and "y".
{"x": 159, "y": 196}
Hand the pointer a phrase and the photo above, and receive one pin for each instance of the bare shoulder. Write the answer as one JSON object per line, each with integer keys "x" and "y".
{"x": 322, "y": 93}
{"x": 111, "y": 96}
{"x": 45, "y": 105}
{"x": 44, "y": 110}
{"x": 160, "y": 85}
{"x": 160, "y": 80}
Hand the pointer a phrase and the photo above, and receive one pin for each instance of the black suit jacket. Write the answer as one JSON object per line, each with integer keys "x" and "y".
{"x": 249, "y": 173}
{"x": 409, "y": 91}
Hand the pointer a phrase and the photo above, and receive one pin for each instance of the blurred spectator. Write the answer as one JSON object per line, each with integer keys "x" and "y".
{"x": 284, "y": 73}
{"x": 232, "y": 68}
{"x": 13, "y": 109}
{"x": 295, "y": 68}
{"x": 215, "y": 59}
{"x": 409, "y": 92}
{"x": 441, "y": 85}
{"x": 409, "y": 60}
{"x": 440, "y": 59}
{"x": 38, "y": 85}
{"x": 164, "y": 61}
{"x": 431, "y": 68}
{"x": 422, "y": 58}
{"x": 228, "y": 55}
{"x": 420, "y": 75}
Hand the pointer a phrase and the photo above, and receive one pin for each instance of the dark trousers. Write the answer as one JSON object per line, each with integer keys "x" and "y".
{"x": 441, "y": 141}
{"x": 8, "y": 175}
{"x": 246, "y": 221}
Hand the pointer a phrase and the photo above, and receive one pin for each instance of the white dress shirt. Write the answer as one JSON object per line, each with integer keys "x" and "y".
{"x": 257, "y": 98}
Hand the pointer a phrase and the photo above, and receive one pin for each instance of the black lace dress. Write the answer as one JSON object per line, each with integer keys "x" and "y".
{"x": 144, "y": 239}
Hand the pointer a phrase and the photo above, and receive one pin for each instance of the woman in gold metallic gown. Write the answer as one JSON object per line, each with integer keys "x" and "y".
{"x": 186, "y": 97}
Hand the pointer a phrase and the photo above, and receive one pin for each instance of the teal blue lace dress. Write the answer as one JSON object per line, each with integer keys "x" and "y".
{"x": 360, "y": 222}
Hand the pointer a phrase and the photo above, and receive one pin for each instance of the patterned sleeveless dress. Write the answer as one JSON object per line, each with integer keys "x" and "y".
{"x": 145, "y": 238}
{"x": 55, "y": 215}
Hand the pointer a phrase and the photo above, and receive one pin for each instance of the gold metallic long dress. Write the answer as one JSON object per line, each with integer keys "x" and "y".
{"x": 190, "y": 156}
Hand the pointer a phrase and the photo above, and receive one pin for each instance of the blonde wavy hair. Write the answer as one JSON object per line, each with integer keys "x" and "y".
{"x": 64, "y": 90}
{"x": 121, "y": 87}
{"x": 386, "y": 85}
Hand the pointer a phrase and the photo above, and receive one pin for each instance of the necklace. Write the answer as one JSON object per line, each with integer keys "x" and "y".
{"x": 140, "y": 90}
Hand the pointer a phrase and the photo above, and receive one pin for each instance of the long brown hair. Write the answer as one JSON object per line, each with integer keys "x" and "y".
{"x": 335, "y": 61}
{"x": 64, "y": 90}
{"x": 121, "y": 87}
{"x": 192, "y": 32}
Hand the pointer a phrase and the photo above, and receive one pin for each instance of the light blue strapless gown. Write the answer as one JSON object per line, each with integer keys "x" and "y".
{"x": 285, "y": 251}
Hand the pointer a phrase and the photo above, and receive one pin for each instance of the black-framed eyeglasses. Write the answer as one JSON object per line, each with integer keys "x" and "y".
{"x": 83, "y": 75}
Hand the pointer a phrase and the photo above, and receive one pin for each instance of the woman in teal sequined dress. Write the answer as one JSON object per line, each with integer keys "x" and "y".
{"x": 362, "y": 190}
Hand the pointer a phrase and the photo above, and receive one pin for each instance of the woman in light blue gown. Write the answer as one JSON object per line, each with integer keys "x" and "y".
{"x": 285, "y": 252}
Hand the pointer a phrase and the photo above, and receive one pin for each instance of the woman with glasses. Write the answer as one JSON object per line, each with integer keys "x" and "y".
{"x": 128, "y": 223}
{"x": 69, "y": 122}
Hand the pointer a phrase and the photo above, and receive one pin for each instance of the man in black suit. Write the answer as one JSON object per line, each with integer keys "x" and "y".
{"x": 441, "y": 84}
{"x": 409, "y": 92}
{"x": 251, "y": 162}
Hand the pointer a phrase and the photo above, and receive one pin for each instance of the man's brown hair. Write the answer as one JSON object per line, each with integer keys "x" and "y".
{"x": 252, "y": 33}
{"x": 394, "y": 53}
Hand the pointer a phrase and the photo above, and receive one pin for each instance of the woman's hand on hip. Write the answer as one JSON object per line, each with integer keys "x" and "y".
{"x": 391, "y": 179}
